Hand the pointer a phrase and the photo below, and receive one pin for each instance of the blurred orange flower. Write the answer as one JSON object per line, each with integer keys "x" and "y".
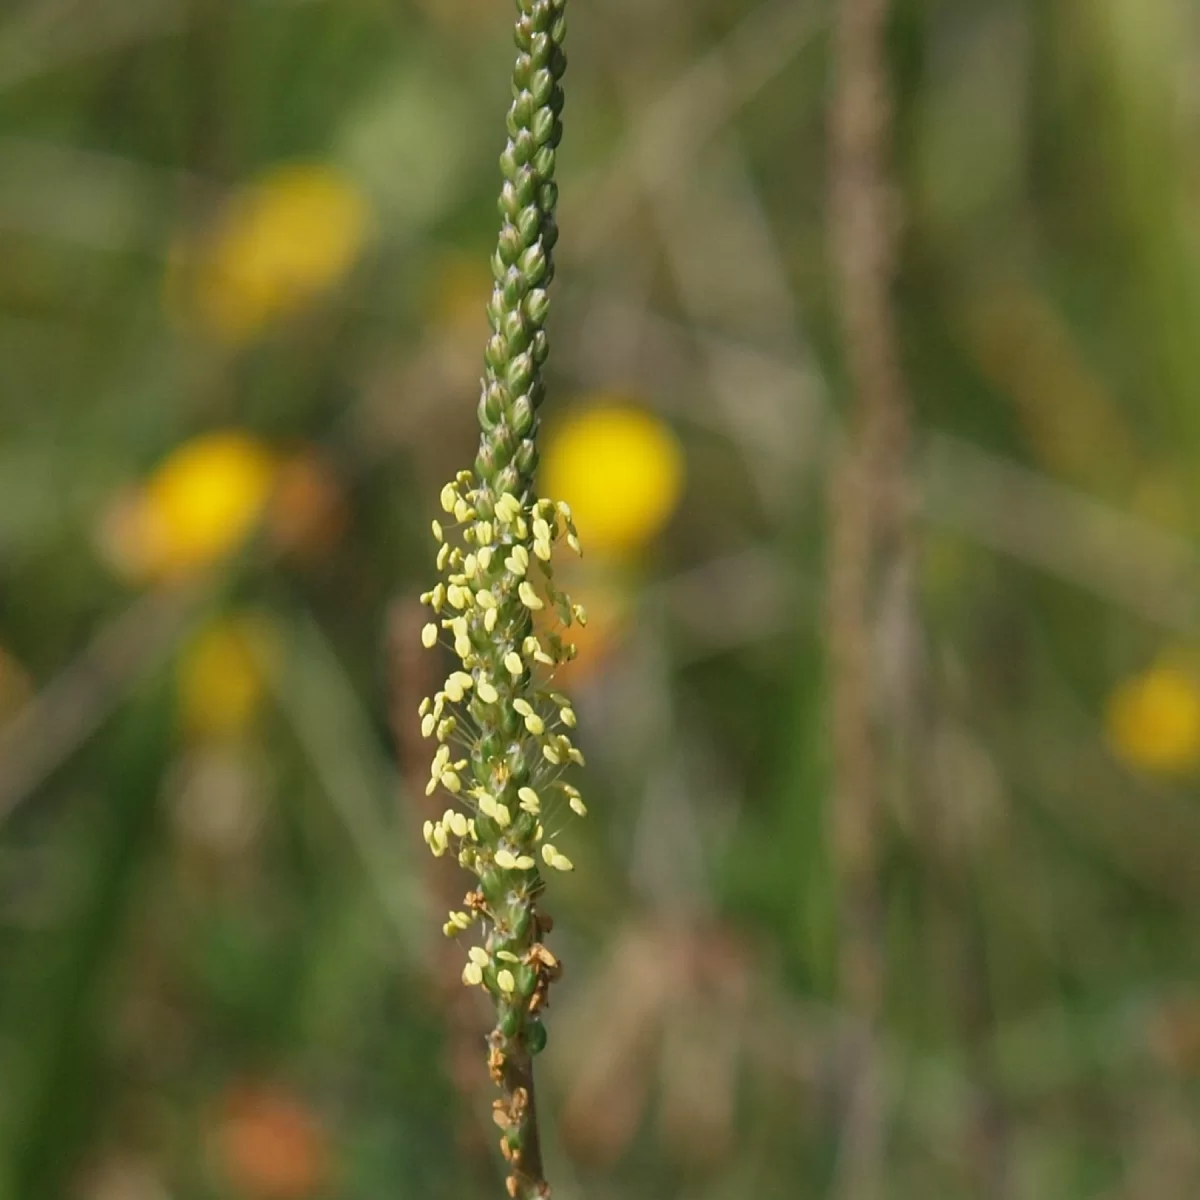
{"x": 223, "y": 674}
{"x": 307, "y": 513}
{"x": 621, "y": 470}
{"x": 1173, "y": 1031}
{"x": 271, "y": 1146}
{"x": 607, "y": 606}
{"x": 1153, "y": 721}
{"x": 16, "y": 687}
{"x": 201, "y": 504}
{"x": 281, "y": 241}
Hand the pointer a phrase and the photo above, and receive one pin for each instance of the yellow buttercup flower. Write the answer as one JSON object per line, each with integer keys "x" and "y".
{"x": 201, "y": 503}
{"x": 283, "y": 240}
{"x": 222, "y": 676}
{"x": 1153, "y": 721}
{"x": 621, "y": 470}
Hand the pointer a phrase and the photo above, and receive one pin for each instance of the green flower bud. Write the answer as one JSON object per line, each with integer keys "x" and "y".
{"x": 535, "y": 1036}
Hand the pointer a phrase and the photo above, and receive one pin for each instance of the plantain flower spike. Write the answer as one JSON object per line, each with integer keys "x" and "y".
{"x": 504, "y": 734}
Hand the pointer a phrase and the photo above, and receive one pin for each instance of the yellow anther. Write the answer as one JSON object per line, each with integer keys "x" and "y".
{"x": 529, "y": 597}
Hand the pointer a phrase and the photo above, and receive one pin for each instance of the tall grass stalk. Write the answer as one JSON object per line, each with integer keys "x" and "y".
{"x": 867, "y": 550}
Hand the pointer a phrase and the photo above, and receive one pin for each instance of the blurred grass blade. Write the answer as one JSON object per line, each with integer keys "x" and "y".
{"x": 69, "y": 710}
{"x": 319, "y": 701}
{"x": 54, "y": 1103}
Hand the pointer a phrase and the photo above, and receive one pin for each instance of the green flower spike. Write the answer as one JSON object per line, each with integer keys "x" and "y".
{"x": 503, "y": 735}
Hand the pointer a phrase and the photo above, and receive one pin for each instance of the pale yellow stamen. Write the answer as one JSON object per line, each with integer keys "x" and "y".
{"x": 529, "y": 597}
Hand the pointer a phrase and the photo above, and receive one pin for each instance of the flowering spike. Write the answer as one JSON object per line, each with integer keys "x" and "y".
{"x": 489, "y": 606}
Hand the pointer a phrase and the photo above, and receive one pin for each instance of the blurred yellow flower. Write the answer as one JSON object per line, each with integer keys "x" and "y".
{"x": 1153, "y": 721}
{"x": 201, "y": 503}
{"x": 280, "y": 242}
{"x": 222, "y": 676}
{"x": 621, "y": 470}
{"x": 205, "y": 499}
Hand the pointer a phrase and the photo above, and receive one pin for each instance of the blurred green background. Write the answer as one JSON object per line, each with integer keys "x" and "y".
{"x": 243, "y": 270}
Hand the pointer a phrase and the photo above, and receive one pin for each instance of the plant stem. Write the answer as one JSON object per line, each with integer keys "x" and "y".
{"x": 868, "y": 506}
